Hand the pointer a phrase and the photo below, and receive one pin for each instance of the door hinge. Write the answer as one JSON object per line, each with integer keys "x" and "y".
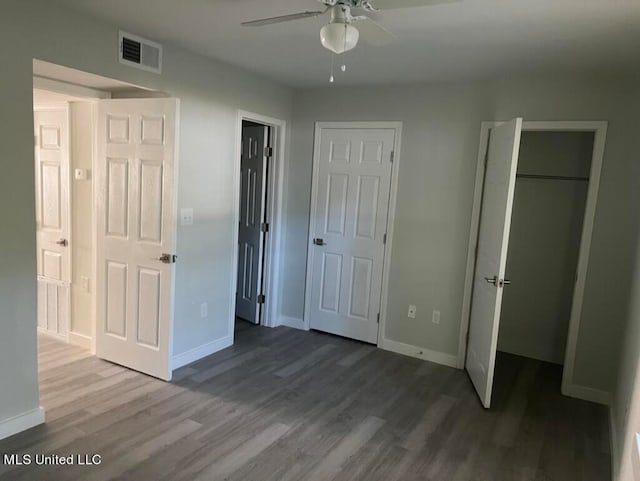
{"x": 393, "y": 156}
{"x": 261, "y": 298}
{"x": 268, "y": 152}
{"x": 384, "y": 239}
{"x": 264, "y": 227}
{"x": 35, "y": 140}
{"x": 378, "y": 318}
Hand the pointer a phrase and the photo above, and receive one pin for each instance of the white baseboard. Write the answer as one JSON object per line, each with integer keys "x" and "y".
{"x": 587, "y": 394}
{"x": 21, "y": 422}
{"x": 199, "y": 352}
{"x": 54, "y": 335}
{"x": 291, "y": 322}
{"x": 81, "y": 340}
{"x": 420, "y": 352}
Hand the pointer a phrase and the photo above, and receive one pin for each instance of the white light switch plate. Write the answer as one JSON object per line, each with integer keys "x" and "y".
{"x": 186, "y": 216}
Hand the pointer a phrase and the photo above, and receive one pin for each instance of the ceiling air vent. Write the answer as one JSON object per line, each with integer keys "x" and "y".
{"x": 140, "y": 53}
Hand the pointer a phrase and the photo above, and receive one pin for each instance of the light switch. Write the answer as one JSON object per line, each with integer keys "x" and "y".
{"x": 80, "y": 174}
{"x": 186, "y": 216}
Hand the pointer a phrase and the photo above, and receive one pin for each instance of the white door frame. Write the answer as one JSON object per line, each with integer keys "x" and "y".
{"x": 274, "y": 213}
{"x": 393, "y": 195}
{"x": 599, "y": 128}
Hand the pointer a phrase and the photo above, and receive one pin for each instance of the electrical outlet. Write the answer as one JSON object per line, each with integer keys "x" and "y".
{"x": 412, "y": 311}
{"x": 204, "y": 310}
{"x": 435, "y": 318}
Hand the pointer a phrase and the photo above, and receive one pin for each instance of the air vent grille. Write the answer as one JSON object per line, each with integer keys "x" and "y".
{"x": 140, "y": 53}
{"x": 130, "y": 50}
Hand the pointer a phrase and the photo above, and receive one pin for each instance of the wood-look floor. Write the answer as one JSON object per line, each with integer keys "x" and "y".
{"x": 287, "y": 405}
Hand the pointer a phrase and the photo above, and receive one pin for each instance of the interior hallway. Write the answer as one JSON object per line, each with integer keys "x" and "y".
{"x": 288, "y": 405}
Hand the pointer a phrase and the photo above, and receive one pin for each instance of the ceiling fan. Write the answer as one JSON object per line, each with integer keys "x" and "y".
{"x": 341, "y": 34}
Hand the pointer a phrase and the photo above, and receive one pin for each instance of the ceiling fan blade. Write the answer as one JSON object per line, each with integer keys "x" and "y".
{"x": 394, "y": 4}
{"x": 282, "y": 18}
{"x": 372, "y": 32}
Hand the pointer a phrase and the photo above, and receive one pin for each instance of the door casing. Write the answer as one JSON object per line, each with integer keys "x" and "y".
{"x": 599, "y": 128}
{"x": 393, "y": 194}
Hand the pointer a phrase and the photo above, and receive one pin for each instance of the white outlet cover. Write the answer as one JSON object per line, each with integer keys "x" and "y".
{"x": 412, "y": 312}
{"x": 186, "y": 216}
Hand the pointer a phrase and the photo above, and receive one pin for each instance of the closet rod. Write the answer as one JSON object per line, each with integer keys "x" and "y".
{"x": 550, "y": 177}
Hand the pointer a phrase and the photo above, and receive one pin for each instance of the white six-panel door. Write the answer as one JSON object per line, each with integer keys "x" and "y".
{"x": 51, "y": 130}
{"x": 352, "y": 180}
{"x": 135, "y": 179}
{"x": 250, "y": 236}
{"x": 491, "y": 258}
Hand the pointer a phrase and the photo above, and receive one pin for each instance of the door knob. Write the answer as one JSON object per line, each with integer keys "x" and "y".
{"x": 168, "y": 258}
{"x": 319, "y": 241}
{"x": 492, "y": 280}
{"x": 62, "y": 242}
{"x": 497, "y": 282}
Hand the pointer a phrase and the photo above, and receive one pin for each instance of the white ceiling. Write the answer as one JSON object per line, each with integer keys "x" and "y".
{"x": 469, "y": 39}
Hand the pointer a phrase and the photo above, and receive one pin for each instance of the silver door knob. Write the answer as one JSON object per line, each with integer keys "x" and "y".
{"x": 319, "y": 241}
{"x": 497, "y": 282}
{"x": 62, "y": 242}
{"x": 168, "y": 258}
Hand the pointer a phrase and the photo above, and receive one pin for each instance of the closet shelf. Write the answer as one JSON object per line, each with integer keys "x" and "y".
{"x": 551, "y": 177}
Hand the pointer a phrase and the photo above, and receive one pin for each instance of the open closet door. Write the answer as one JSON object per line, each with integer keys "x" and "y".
{"x": 491, "y": 254}
{"x": 136, "y": 215}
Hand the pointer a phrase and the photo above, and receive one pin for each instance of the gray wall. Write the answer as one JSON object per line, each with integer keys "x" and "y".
{"x": 437, "y": 172}
{"x": 625, "y": 406}
{"x": 210, "y": 92}
{"x": 546, "y": 228}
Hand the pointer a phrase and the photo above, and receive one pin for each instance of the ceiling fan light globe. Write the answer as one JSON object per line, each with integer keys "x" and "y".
{"x": 339, "y": 37}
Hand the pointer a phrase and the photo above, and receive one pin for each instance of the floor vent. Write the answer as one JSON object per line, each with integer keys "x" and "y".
{"x": 140, "y": 53}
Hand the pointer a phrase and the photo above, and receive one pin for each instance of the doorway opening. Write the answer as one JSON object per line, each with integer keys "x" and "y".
{"x": 255, "y": 154}
{"x": 104, "y": 157}
{"x": 259, "y": 161}
{"x": 552, "y": 181}
{"x": 536, "y": 193}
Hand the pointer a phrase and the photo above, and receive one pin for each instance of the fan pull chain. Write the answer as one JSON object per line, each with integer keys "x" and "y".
{"x": 343, "y": 67}
{"x": 331, "y": 77}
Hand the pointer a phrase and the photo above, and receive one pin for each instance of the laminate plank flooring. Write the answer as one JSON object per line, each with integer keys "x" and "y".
{"x": 288, "y": 405}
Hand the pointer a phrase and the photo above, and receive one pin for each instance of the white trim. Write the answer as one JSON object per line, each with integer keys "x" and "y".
{"x": 393, "y": 194}
{"x": 82, "y": 340}
{"x": 65, "y": 88}
{"x": 588, "y": 394}
{"x": 197, "y": 353}
{"x": 635, "y": 460}
{"x": 420, "y": 352}
{"x": 599, "y": 128}
{"x": 54, "y": 335}
{"x": 21, "y": 422}
{"x": 293, "y": 322}
{"x": 275, "y": 217}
